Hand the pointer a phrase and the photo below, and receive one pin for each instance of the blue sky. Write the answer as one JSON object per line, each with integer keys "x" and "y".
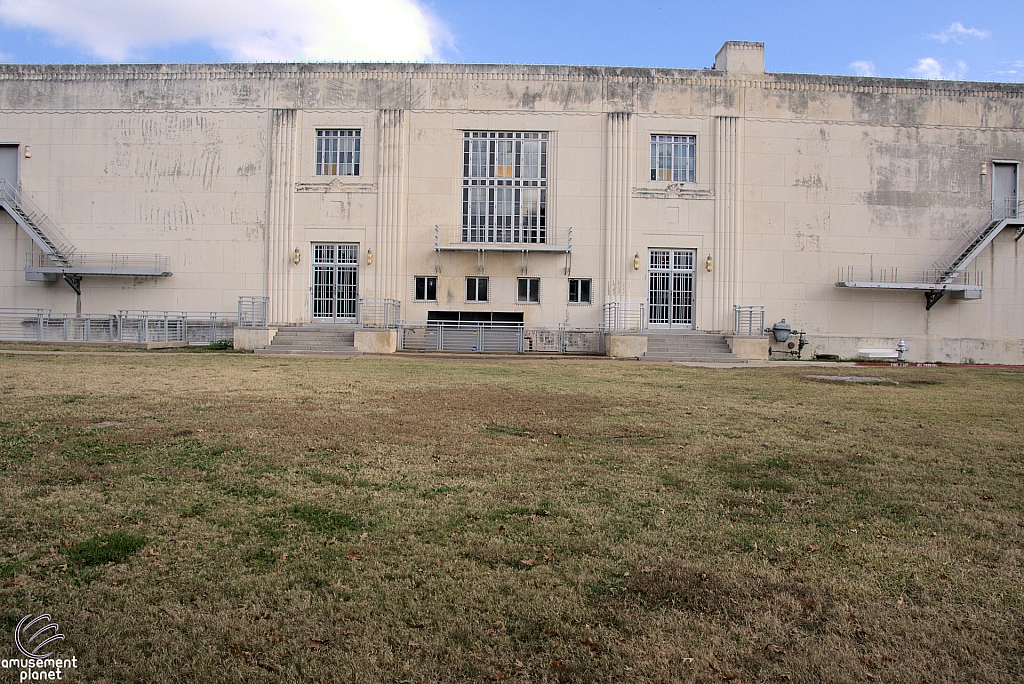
{"x": 936, "y": 39}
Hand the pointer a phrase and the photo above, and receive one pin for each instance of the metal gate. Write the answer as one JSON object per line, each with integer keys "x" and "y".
{"x": 335, "y": 291}
{"x": 464, "y": 337}
{"x": 670, "y": 275}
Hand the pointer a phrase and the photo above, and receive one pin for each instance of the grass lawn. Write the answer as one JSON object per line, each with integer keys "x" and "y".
{"x": 233, "y": 518}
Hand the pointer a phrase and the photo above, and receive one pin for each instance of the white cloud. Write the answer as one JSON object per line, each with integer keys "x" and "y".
{"x": 246, "y": 30}
{"x": 1015, "y": 70}
{"x": 957, "y": 32}
{"x": 931, "y": 68}
{"x": 863, "y": 68}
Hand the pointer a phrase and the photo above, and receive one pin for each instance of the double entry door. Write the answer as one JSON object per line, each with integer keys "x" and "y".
{"x": 670, "y": 293}
{"x": 335, "y": 288}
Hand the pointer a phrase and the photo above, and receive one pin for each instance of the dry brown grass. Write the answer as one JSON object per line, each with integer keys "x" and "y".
{"x": 388, "y": 520}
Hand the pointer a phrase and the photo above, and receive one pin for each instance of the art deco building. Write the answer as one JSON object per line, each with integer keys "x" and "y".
{"x": 861, "y": 210}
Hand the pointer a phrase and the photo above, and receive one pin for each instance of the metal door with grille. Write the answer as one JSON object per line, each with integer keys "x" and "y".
{"x": 335, "y": 282}
{"x": 670, "y": 298}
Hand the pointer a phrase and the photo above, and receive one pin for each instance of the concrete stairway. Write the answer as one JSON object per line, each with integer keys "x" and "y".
{"x": 313, "y": 339}
{"x": 694, "y": 347}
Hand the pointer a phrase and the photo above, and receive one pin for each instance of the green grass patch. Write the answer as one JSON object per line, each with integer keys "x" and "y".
{"x": 323, "y": 520}
{"x": 105, "y": 548}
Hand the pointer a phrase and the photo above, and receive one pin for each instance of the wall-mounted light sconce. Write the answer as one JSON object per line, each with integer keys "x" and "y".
{"x": 708, "y": 264}
{"x": 636, "y": 261}
{"x": 296, "y": 256}
{"x": 369, "y": 257}
{"x": 28, "y": 151}
{"x": 984, "y": 168}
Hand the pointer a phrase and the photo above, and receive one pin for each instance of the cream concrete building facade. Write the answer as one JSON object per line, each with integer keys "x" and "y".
{"x": 532, "y": 193}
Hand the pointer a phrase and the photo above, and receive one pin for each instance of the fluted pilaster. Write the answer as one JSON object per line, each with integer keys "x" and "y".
{"x": 728, "y": 177}
{"x": 280, "y": 214}
{"x": 390, "y": 238}
{"x": 618, "y": 259}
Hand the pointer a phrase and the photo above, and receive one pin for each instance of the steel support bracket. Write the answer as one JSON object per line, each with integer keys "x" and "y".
{"x": 75, "y": 281}
{"x": 931, "y": 297}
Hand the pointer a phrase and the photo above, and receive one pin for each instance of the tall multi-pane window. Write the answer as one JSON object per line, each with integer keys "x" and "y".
{"x": 504, "y": 187}
{"x": 337, "y": 153}
{"x": 672, "y": 158}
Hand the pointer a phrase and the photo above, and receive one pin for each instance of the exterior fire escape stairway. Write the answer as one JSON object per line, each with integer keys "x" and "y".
{"x": 58, "y": 256}
{"x": 949, "y": 272}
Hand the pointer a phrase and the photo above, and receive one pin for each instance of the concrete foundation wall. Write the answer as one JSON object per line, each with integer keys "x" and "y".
{"x": 626, "y": 346}
{"x": 748, "y": 347}
{"x": 253, "y": 338}
{"x": 376, "y": 341}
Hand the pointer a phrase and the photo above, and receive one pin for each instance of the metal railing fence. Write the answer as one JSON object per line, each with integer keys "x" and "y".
{"x": 378, "y": 313}
{"x": 625, "y": 317}
{"x": 894, "y": 275}
{"x": 558, "y": 239}
{"x": 193, "y": 327}
{"x": 103, "y": 262}
{"x": 558, "y": 338}
{"x": 252, "y": 312}
{"x": 42, "y": 325}
{"x": 749, "y": 320}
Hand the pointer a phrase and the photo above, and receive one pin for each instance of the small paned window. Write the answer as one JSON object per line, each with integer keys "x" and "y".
{"x": 528, "y": 291}
{"x": 426, "y": 289}
{"x": 672, "y": 158}
{"x": 337, "y": 153}
{"x": 579, "y": 290}
{"x": 476, "y": 289}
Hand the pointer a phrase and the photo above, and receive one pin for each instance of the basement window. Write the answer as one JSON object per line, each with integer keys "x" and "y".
{"x": 528, "y": 291}
{"x": 579, "y": 290}
{"x": 337, "y": 153}
{"x": 425, "y": 289}
{"x": 476, "y": 289}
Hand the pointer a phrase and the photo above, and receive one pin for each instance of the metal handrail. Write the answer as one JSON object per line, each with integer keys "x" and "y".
{"x": 378, "y": 313}
{"x": 625, "y": 316}
{"x": 524, "y": 238}
{"x": 894, "y": 275}
{"x": 749, "y": 320}
{"x": 1010, "y": 208}
{"x": 106, "y": 261}
{"x": 252, "y": 311}
{"x": 15, "y": 195}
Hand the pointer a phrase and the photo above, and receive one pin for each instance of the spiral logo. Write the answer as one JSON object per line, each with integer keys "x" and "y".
{"x": 31, "y": 643}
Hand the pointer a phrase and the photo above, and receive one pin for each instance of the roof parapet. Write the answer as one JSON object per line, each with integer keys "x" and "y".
{"x": 740, "y": 57}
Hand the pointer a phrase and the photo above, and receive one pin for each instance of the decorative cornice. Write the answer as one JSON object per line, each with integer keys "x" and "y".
{"x": 337, "y": 185}
{"x": 273, "y": 72}
{"x": 674, "y": 191}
